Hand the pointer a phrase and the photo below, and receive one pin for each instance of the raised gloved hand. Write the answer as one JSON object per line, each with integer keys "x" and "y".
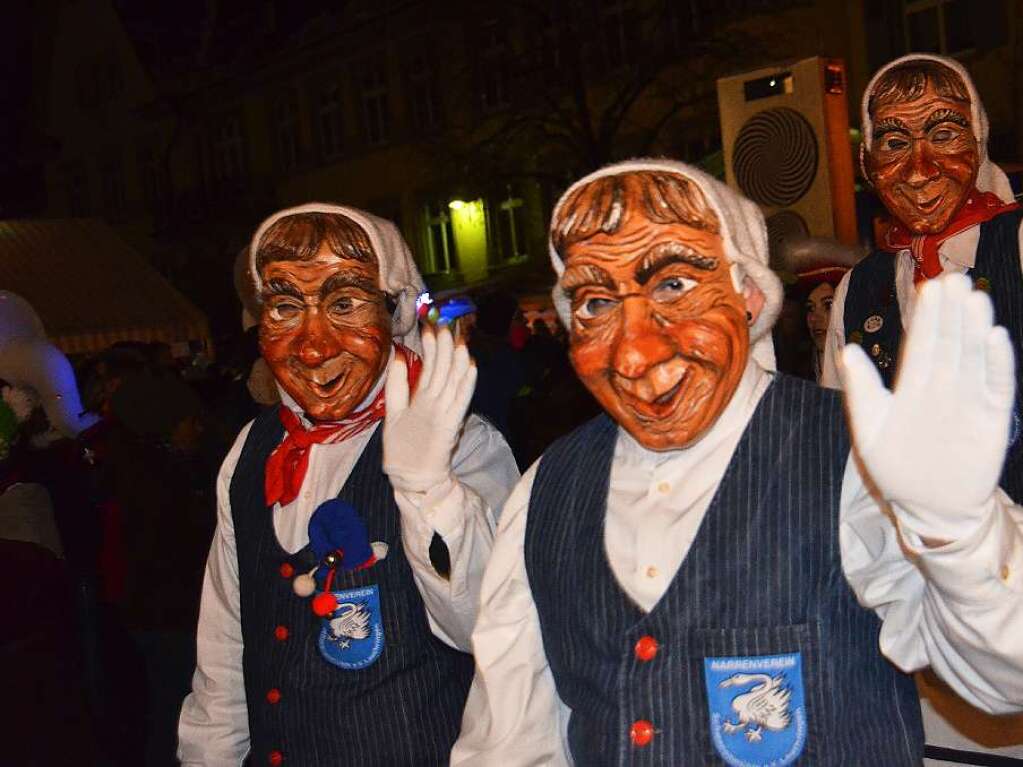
{"x": 420, "y": 435}
{"x": 935, "y": 446}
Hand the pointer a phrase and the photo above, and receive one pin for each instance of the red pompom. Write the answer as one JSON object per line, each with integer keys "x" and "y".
{"x": 324, "y": 604}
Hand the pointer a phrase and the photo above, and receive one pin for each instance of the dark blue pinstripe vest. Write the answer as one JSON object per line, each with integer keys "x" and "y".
{"x": 996, "y": 270}
{"x": 762, "y": 578}
{"x": 405, "y": 708}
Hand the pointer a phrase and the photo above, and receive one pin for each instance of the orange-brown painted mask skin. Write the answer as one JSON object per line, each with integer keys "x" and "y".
{"x": 660, "y": 342}
{"x": 324, "y": 331}
{"x": 923, "y": 160}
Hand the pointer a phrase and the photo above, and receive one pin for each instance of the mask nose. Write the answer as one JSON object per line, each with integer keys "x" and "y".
{"x": 316, "y": 343}
{"x": 921, "y": 168}
{"x": 642, "y": 344}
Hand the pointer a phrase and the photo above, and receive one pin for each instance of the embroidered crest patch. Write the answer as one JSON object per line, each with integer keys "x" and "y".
{"x": 757, "y": 714}
{"x": 352, "y": 636}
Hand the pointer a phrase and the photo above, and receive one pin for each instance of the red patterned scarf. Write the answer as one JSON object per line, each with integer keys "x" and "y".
{"x": 979, "y": 207}
{"x": 287, "y": 464}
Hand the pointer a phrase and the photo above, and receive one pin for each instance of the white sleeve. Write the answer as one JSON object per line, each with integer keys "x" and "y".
{"x": 513, "y": 716}
{"x": 463, "y": 511}
{"x": 213, "y": 730}
{"x": 957, "y": 608}
{"x": 835, "y": 339}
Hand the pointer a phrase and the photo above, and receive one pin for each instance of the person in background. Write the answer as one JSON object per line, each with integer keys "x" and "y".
{"x": 811, "y": 268}
{"x": 354, "y": 520}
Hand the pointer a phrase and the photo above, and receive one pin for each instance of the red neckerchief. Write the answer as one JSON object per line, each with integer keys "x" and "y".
{"x": 287, "y": 464}
{"x": 979, "y": 207}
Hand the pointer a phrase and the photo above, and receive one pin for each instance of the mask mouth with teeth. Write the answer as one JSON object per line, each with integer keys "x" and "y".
{"x": 325, "y": 330}
{"x": 659, "y": 332}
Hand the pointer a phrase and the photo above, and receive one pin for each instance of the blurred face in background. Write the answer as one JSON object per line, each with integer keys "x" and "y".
{"x": 818, "y": 313}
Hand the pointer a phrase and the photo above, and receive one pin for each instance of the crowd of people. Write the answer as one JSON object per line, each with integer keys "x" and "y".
{"x": 362, "y": 537}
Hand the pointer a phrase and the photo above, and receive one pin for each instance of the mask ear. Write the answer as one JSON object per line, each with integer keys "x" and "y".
{"x": 754, "y": 298}
{"x": 863, "y": 164}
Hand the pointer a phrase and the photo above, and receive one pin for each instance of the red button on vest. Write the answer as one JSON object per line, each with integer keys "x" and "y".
{"x": 641, "y": 733}
{"x": 286, "y": 571}
{"x": 281, "y": 632}
{"x": 276, "y": 758}
{"x": 273, "y": 696}
{"x": 646, "y": 648}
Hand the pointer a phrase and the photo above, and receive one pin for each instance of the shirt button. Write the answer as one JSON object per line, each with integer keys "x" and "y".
{"x": 307, "y": 495}
{"x": 281, "y": 633}
{"x": 663, "y": 487}
{"x": 287, "y": 570}
{"x": 641, "y": 733}
{"x": 646, "y": 648}
{"x": 276, "y": 758}
{"x": 273, "y": 696}
{"x": 1004, "y": 572}
{"x": 651, "y": 572}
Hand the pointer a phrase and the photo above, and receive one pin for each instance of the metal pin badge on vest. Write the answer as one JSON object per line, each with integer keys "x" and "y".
{"x": 983, "y": 284}
{"x": 873, "y": 323}
{"x": 352, "y": 628}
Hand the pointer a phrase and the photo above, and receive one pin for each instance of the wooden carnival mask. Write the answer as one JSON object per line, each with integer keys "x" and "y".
{"x": 324, "y": 330}
{"x": 923, "y": 158}
{"x": 659, "y": 334}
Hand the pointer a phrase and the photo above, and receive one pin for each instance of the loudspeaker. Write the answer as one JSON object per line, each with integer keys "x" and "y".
{"x": 785, "y": 132}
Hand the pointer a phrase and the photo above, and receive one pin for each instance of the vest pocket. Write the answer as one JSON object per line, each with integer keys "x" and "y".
{"x": 761, "y": 693}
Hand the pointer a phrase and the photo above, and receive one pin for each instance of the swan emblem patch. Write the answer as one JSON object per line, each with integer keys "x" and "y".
{"x": 352, "y": 637}
{"x": 757, "y": 713}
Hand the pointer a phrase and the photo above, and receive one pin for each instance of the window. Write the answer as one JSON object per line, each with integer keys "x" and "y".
{"x": 228, "y": 151}
{"x": 285, "y": 131}
{"x": 154, "y": 178}
{"x": 616, "y": 32}
{"x": 376, "y": 112}
{"x": 494, "y": 66}
{"x": 111, "y": 178}
{"x": 424, "y": 93}
{"x": 511, "y": 226}
{"x": 939, "y": 26}
{"x": 76, "y": 185}
{"x": 99, "y": 79}
{"x": 440, "y": 238}
{"x": 329, "y": 119}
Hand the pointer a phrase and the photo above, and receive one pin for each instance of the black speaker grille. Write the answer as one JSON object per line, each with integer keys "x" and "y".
{"x": 775, "y": 157}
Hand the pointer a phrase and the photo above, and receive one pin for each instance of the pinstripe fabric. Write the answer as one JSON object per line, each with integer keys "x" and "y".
{"x": 404, "y": 709}
{"x": 998, "y": 261}
{"x": 763, "y": 577}
{"x": 872, "y": 291}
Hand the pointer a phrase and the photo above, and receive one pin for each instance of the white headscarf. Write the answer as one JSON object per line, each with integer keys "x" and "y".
{"x": 742, "y": 230}
{"x": 399, "y": 277}
{"x": 990, "y": 178}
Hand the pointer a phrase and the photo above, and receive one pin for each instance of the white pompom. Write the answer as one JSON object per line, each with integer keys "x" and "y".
{"x": 303, "y": 585}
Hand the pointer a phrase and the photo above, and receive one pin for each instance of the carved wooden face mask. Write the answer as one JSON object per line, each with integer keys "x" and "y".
{"x": 324, "y": 331}
{"x": 923, "y": 160}
{"x": 659, "y": 333}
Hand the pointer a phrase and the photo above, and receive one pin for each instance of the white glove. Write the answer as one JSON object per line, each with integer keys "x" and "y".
{"x": 934, "y": 447}
{"x": 420, "y": 436}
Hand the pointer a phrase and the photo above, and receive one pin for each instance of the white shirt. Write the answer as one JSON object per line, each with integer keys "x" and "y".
{"x": 928, "y": 599}
{"x": 957, "y": 254}
{"x": 213, "y": 727}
